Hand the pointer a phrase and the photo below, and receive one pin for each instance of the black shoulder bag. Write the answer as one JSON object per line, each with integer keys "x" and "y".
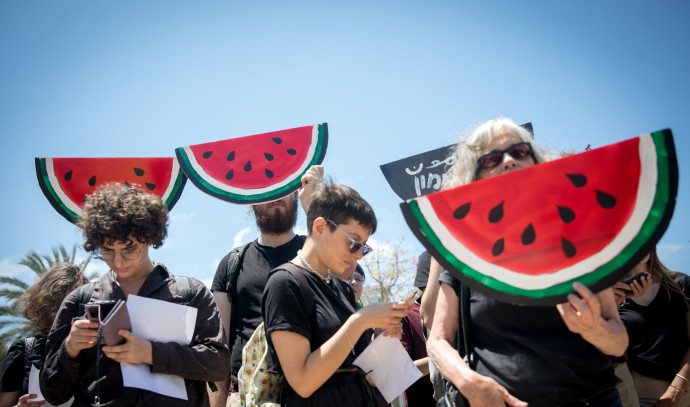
{"x": 452, "y": 396}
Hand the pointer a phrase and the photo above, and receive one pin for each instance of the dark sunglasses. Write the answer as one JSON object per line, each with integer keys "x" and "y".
{"x": 354, "y": 245}
{"x": 518, "y": 151}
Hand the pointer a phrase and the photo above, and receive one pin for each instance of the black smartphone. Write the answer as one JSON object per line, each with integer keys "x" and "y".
{"x": 637, "y": 277}
{"x": 93, "y": 312}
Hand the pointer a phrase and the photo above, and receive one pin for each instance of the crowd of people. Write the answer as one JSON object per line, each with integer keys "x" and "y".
{"x": 626, "y": 345}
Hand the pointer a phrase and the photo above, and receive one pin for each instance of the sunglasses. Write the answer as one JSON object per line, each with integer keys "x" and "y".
{"x": 355, "y": 245}
{"x": 518, "y": 151}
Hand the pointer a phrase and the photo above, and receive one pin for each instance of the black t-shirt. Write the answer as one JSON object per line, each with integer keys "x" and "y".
{"x": 245, "y": 295}
{"x": 658, "y": 336}
{"x": 284, "y": 310}
{"x": 15, "y": 373}
{"x": 530, "y": 351}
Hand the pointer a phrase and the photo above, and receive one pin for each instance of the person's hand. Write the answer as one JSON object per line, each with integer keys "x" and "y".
{"x": 621, "y": 291}
{"x": 134, "y": 350}
{"x": 582, "y": 314}
{"x": 385, "y": 316}
{"x": 671, "y": 398}
{"x": 82, "y": 335}
{"x": 25, "y": 401}
{"x": 483, "y": 391}
{"x": 311, "y": 182}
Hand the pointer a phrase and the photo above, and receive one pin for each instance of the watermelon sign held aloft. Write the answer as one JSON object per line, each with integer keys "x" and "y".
{"x": 67, "y": 181}
{"x": 526, "y": 236}
{"x": 255, "y": 169}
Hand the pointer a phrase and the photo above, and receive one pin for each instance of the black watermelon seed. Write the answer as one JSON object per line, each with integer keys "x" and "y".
{"x": 498, "y": 247}
{"x": 150, "y": 186}
{"x": 68, "y": 176}
{"x": 139, "y": 172}
{"x": 462, "y": 211}
{"x": 231, "y": 156}
{"x": 229, "y": 175}
{"x": 528, "y": 235}
{"x": 291, "y": 151}
{"x": 269, "y": 173}
{"x": 248, "y": 166}
{"x": 207, "y": 154}
{"x": 567, "y": 215}
{"x": 268, "y": 156}
{"x": 567, "y": 247}
{"x": 277, "y": 140}
{"x": 605, "y": 200}
{"x": 92, "y": 181}
{"x": 578, "y": 180}
{"x": 496, "y": 214}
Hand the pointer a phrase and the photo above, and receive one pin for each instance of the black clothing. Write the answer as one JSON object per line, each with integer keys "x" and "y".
{"x": 204, "y": 359}
{"x": 530, "y": 351}
{"x": 245, "y": 295}
{"x": 423, "y": 265}
{"x": 16, "y": 368}
{"x": 283, "y": 310}
{"x": 658, "y": 336}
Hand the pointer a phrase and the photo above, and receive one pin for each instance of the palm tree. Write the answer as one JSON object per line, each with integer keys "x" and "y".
{"x": 14, "y": 324}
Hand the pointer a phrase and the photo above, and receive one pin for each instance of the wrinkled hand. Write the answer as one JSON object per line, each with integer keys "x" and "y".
{"x": 134, "y": 350}
{"x": 486, "y": 392}
{"x": 311, "y": 182}
{"x": 671, "y": 398}
{"x": 82, "y": 335}
{"x": 582, "y": 314}
{"x": 25, "y": 401}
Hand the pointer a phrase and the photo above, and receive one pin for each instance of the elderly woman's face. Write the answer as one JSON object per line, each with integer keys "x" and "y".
{"x": 503, "y": 141}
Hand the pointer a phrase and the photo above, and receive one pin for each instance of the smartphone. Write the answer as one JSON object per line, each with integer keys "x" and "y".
{"x": 93, "y": 312}
{"x": 412, "y": 296}
{"x": 637, "y": 277}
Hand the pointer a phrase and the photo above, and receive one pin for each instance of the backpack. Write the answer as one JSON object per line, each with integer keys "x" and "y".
{"x": 257, "y": 386}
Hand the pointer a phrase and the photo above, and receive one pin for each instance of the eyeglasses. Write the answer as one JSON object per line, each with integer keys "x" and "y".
{"x": 355, "y": 246}
{"x": 519, "y": 151}
{"x": 128, "y": 254}
{"x": 356, "y": 277}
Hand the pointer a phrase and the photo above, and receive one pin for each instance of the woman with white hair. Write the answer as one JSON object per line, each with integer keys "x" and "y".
{"x": 541, "y": 355}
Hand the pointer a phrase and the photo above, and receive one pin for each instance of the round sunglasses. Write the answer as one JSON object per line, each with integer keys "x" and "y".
{"x": 518, "y": 151}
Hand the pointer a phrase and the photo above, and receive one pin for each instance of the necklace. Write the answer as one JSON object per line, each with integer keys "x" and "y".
{"x": 326, "y": 279}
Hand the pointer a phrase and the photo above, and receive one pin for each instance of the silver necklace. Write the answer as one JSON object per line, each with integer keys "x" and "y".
{"x": 326, "y": 279}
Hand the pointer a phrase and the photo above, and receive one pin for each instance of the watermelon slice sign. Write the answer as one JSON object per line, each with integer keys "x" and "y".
{"x": 255, "y": 169}
{"x": 526, "y": 236}
{"x": 67, "y": 181}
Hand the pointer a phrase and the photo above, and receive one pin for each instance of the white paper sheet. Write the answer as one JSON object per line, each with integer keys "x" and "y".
{"x": 34, "y": 388}
{"x": 158, "y": 321}
{"x": 388, "y": 366}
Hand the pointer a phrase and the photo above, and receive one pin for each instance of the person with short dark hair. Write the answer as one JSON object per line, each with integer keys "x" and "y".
{"x": 120, "y": 223}
{"x": 39, "y": 304}
{"x": 316, "y": 350}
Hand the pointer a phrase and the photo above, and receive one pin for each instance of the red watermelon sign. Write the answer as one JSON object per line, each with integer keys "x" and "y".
{"x": 526, "y": 236}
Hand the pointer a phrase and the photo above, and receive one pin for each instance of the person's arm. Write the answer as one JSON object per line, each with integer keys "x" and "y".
{"x": 207, "y": 357}
{"x": 9, "y": 398}
{"x": 596, "y": 319}
{"x": 479, "y": 390}
{"x": 679, "y": 385}
{"x": 306, "y": 371}
{"x": 219, "y": 398}
{"x": 311, "y": 182}
{"x": 428, "y": 302}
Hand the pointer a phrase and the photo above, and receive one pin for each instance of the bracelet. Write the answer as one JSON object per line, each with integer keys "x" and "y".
{"x": 678, "y": 388}
{"x": 684, "y": 379}
{"x": 352, "y": 347}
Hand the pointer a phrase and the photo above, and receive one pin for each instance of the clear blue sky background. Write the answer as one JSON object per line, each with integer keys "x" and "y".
{"x": 391, "y": 78}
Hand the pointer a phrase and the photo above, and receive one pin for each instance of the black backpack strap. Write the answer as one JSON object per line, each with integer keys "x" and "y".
{"x": 233, "y": 269}
{"x": 185, "y": 287}
{"x": 462, "y": 340}
{"x": 303, "y": 285}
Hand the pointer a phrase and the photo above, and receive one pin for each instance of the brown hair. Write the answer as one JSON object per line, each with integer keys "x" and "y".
{"x": 340, "y": 204}
{"x": 41, "y": 301}
{"x": 116, "y": 211}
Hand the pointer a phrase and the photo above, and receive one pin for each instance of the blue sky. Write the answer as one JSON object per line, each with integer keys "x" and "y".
{"x": 391, "y": 78}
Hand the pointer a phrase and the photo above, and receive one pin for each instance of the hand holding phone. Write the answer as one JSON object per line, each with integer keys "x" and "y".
{"x": 637, "y": 277}
{"x": 412, "y": 296}
{"x": 93, "y": 312}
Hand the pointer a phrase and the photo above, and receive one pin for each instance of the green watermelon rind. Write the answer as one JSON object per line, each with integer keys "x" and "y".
{"x": 71, "y": 211}
{"x": 294, "y": 181}
{"x": 650, "y": 232}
